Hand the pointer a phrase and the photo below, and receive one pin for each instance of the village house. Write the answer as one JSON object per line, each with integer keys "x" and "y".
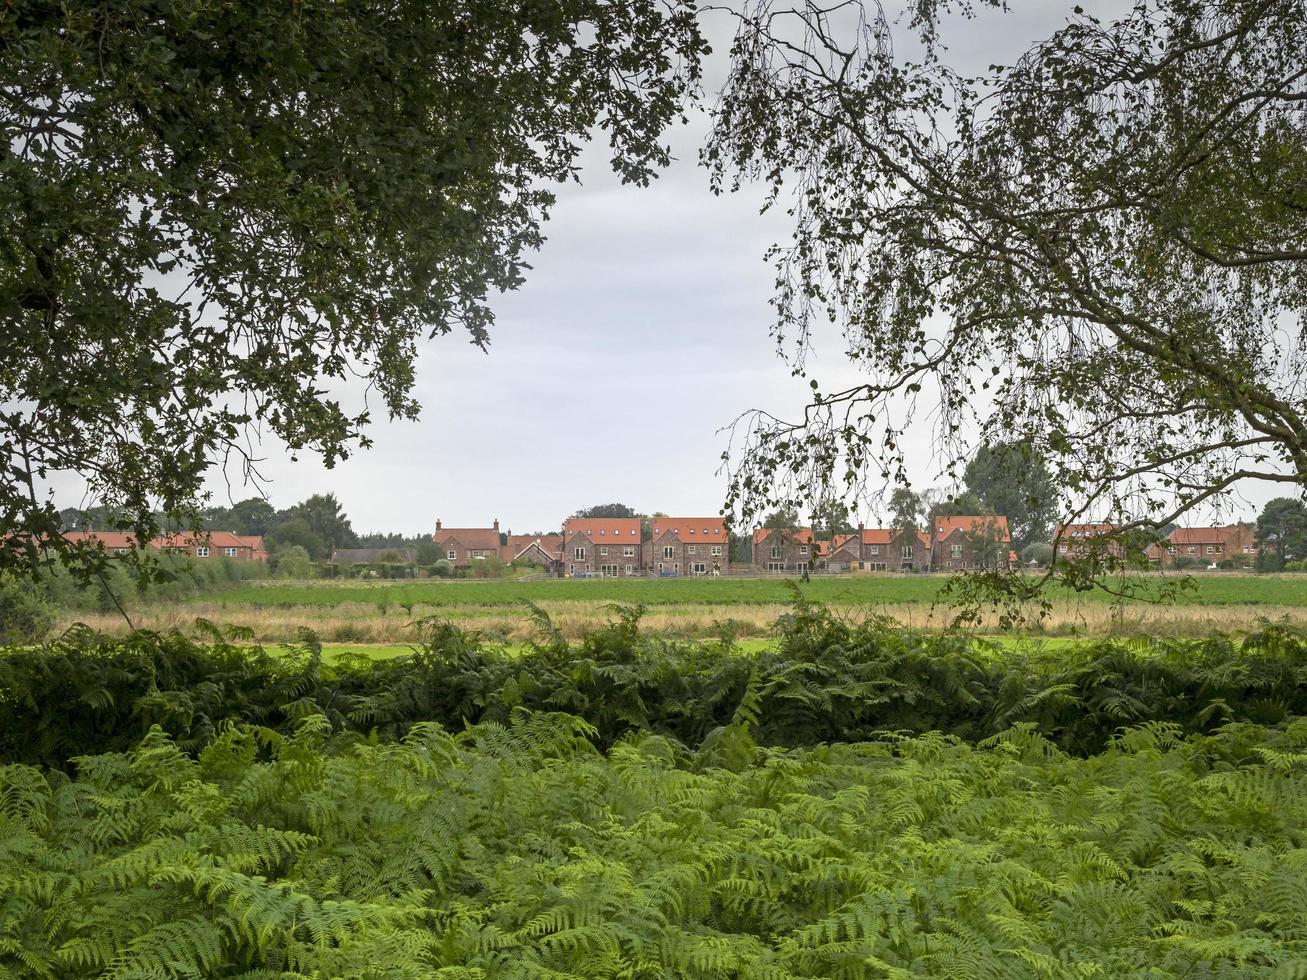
{"x": 1206, "y": 544}
{"x": 203, "y": 544}
{"x": 842, "y": 553}
{"x": 970, "y": 542}
{"x": 687, "y": 546}
{"x": 545, "y": 550}
{"x": 605, "y": 546}
{"x": 1082, "y": 541}
{"x": 464, "y": 545}
{"x": 784, "y": 550}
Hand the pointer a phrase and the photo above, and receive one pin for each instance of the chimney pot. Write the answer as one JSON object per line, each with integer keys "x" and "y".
{"x": 437, "y": 523}
{"x": 496, "y": 523}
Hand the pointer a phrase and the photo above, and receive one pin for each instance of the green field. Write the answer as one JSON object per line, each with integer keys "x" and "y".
{"x": 1213, "y": 589}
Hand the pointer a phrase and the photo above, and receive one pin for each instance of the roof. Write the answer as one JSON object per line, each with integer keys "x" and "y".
{"x": 970, "y": 524}
{"x": 550, "y": 544}
{"x": 1085, "y": 530}
{"x": 691, "y": 528}
{"x": 604, "y": 528}
{"x": 214, "y": 539}
{"x": 472, "y": 538}
{"x": 803, "y": 535}
{"x": 879, "y": 535}
{"x": 110, "y": 539}
{"x": 840, "y": 540}
{"x": 1201, "y": 535}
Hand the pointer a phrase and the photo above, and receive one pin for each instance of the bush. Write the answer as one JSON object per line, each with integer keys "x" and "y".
{"x": 25, "y": 615}
{"x": 293, "y": 561}
{"x": 1039, "y": 552}
{"x": 1182, "y": 562}
{"x": 444, "y": 568}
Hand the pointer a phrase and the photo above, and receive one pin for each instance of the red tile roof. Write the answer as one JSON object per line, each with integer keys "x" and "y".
{"x": 110, "y": 539}
{"x": 624, "y": 529}
{"x": 471, "y": 538}
{"x": 803, "y": 535}
{"x": 692, "y": 528}
{"x": 1201, "y": 535}
{"x": 970, "y": 524}
{"x": 551, "y": 544}
{"x": 878, "y": 535}
{"x": 1084, "y": 530}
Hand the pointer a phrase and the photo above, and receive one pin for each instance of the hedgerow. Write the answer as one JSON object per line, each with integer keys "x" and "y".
{"x": 520, "y": 850}
{"x": 827, "y": 680}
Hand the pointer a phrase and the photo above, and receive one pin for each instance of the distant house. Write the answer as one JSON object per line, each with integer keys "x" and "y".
{"x": 784, "y": 550}
{"x": 687, "y": 546}
{"x": 1206, "y": 544}
{"x": 607, "y": 546}
{"x": 545, "y": 550}
{"x": 970, "y": 541}
{"x": 841, "y": 554}
{"x": 464, "y": 545}
{"x": 1081, "y": 540}
{"x": 204, "y": 544}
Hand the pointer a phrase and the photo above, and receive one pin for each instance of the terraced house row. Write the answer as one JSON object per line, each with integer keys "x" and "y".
{"x": 949, "y": 544}
{"x": 1210, "y": 545}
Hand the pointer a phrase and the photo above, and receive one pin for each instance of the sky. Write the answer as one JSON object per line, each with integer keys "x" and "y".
{"x": 640, "y": 333}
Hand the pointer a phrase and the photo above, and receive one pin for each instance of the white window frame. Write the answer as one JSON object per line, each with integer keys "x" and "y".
{"x": 578, "y": 554}
{"x": 231, "y": 552}
{"x": 715, "y": 551}
{"x": 955, "y": 551}
{"x": 698, "y": 568}
{"x": 669, "y": 551}
{"x": 777, "y": 552}
{"x": 690, "y": 549}
{"x": 202, "y": 551}
{"x": 452, "y": 554}
{"x": 776, "y": 566}
{"x": 628, "y": 551}
{"x": 603, "y": 551}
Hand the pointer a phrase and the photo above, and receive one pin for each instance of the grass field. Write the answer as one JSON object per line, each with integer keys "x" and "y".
{"x": 385, "y": 613}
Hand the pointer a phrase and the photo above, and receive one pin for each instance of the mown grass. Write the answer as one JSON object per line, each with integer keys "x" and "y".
{"x": 1208, "y": 589}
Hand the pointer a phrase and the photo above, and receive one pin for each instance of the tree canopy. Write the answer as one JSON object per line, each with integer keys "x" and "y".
{"x": 215, "y": 214}
{"x": 607, "y": 510}
{"x": 1098, "y": 251}
{"x": 1282, "y": 528}
{"x": 1011, "y": 479}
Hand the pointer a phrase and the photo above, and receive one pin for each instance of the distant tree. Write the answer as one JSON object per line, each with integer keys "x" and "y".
{"x": 428, "y": 552}
{"x": 390, "y": 555}
{"x": 606, "y": 510}
{"x": 830, "y": 516}
{"x": 1013, "y": 480}
{"x": 905, "y": 509}
{"x": 1282, "y": 528}
{"x": 444, "y": 568}
{"x": 783, "y": 517}
{"x": 296, "y": 532}
{"x": 324, "y": 514}
{"x": 1040, "y": 552}
{"x": 741, "y": 549}
{"x": 293, "y": 562}
{"x": 943, "y": 505}
{"x": 646, "y": 525}
{"x": 252, "y": 516}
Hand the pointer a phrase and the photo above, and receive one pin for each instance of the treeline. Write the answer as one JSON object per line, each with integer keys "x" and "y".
{"x": 827, "y": 680}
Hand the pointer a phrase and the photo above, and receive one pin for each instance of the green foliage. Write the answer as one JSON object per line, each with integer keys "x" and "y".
{"x": 1040, "y": 552}
{"x": 1012, "y": 479}
{"x": 516, "y": 850}
{"x": 293, "y": 561}
{"x": 827, "y": 680}
{"x": 295, "y": 532}
{"x": 25, "y": 615}
{"x": 1282, "y": 527}
{"x": 443, "y": 568}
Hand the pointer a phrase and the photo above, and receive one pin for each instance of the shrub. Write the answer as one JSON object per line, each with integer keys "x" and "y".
{"x": 1039, "y": 552}
{"x": 25, "y": 615}
{"x": 444, "y": 568}
{"x": 293, "y": 562}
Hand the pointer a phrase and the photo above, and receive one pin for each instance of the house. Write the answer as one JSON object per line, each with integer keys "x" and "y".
{"x": 841, "y": 554}
{"x": 545, "y": 550}
{"x": 607, "y": 546}
{"x": 1206, "y": 544}
{"x": 1081, "y": 541}
{"x": 970, "y": 541}
{"x": 687, "y": 546}
{"x": 203, "y": 544}
{"x": 784, "y": 550}
{"x": 464, "y": 545}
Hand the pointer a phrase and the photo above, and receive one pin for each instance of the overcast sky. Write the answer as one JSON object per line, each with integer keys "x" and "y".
{"x": 640, "y": 332}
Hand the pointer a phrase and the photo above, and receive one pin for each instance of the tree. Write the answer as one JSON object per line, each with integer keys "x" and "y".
{"x": 606, "y": 510}
{"x": 428, "y": 552}
{"x": 294, "y": 562}
{"x": 1039, "y": 552}
{"x": 1012, "y": 480}
{"x": 296, "y": 532}
{"x": 905, "y": 508}
{"x": 782, "y": 517}
{"x": 1282, "y": 528}
{"x": 830, "y": 517}
{"x": 940, "y": 504}
{"x": 299, "y": 193}
{"x": 1096, "y": 251}
{"x": 325, "y": 516}
{"x": 252, "y": 516}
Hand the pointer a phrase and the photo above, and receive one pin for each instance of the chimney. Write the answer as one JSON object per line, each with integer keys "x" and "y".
{"x": 496, "y": 524}
{"x": 437, "y": 523}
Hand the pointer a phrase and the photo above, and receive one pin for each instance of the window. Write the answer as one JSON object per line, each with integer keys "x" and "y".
{"x": 691, "y": 530}
{"x": 705, "y": 530}
{"x": 1172, "y": 550}
{"x": 776, "y": 566}
{"x": 801, "y": 567}
{"x": 230, "y": 552}
{"x": 1191, "y": 551}
{"x": 579, "y": 554}
{"x": 628, "y": 551}
{"x": 608, "y": 571}
{"x": 202, "y": 552}
{"x": 451, "y": 554}
{"x": 604, "y": 552}
{"x": 668, "y": 551}
{"x": 698, "y": 568}
{"x": 716, "y": 551}
{"x": 955, "y": 551}
{"x": 1210, "y": 549}
{"x": 630, "y": 569}
{"x": 123, "y": 551}
{"x": 803, "y": 549}
{"x": 776, "y": 552}
{"x": 907, "y": 552}
{"x": 875, "y": 549}
{"x": 690, "y": 549}
{"x": 602, "y": 532}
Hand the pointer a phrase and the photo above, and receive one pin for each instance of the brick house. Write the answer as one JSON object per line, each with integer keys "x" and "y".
{"x": 1206, "y": 544}
{"x": 782, "y": 550}
{"x": 841, "y": 554}
{"x": 1078, "y": 540}
{"x": 464, "y": 545}
{"x": 545, "y": 550}
{"x": 205, "y": 544}
{"x": 970, "y": 541}
{"x": 688, "y": 546}
{"x": 607, "y": 546}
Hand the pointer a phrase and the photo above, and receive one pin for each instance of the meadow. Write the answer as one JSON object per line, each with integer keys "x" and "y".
{"x": 385, "y": 613}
